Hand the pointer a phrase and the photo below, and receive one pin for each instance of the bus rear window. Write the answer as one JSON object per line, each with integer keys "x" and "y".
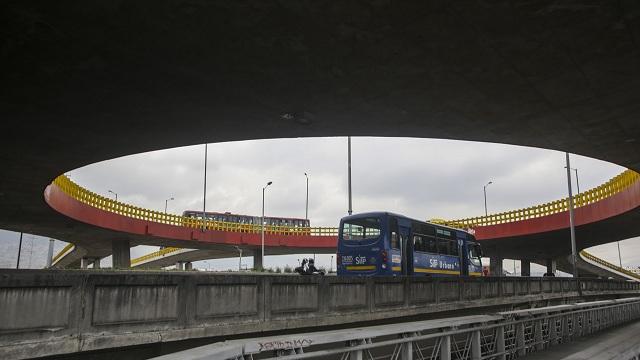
{"x": 360, "y": 229}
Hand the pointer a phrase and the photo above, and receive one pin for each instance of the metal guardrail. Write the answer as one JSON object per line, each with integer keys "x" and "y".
{"x": 103, "y": 203}
{"x": 609, "y": 265}
{"x": 608, "y": 189}
{"x": 155, "y": 254}
{"x": 67, "y": 249}
{"x": 502, "y": 336}
{"x": 612, "y": 187}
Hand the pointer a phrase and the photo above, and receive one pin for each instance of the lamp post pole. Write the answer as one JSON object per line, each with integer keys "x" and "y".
{"x": 349, "y": 173}
{"x": 165, "y": 204}
{"x": 114, "y": 193}
{"x": 619, "y": 256}
{"x": 571, "y": 220}
{"x": 204, "y": 193}
{"x": 239, "y": 257}
{"x": 262, "y": 221}
{"x": 306, "y": 209}
{"x": 19, "y": 250}
{"x": 485, "y": 197}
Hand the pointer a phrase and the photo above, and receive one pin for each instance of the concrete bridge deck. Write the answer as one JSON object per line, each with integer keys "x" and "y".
{"x": 46, "y": 312}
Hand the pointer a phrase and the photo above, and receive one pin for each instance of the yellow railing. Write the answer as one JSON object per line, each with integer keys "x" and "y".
{"x": 609, "y": 265}
{"x": 611, "y": 187}
{"x": 103, "y": 203}
{"x": 62, "y": 252}
{"x": 155, "y": 254}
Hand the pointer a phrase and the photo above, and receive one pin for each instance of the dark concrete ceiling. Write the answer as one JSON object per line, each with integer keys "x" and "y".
{"x": 88, "y": 81}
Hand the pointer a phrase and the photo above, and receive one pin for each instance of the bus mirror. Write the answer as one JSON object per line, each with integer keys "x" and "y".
{"x": 479, "y": 251}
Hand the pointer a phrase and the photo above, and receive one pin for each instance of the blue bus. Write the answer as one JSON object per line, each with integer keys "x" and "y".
{"x": 383, "y": 243}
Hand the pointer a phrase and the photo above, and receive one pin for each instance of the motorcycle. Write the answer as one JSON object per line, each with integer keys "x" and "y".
{"x": 308, "y": 268}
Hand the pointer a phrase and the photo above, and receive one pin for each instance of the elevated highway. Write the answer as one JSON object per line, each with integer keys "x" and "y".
{"x": 536, "y": 234}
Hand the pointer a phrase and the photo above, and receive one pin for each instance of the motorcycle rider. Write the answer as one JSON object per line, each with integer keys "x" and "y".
{"x": 302, "y": 269}
{"x": 312, "y": 270}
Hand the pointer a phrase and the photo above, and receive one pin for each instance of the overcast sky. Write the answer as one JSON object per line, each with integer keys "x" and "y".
{"x": 420, "y": 178}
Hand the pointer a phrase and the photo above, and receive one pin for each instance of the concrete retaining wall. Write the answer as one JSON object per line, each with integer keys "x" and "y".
{"x": 55, "y": 312}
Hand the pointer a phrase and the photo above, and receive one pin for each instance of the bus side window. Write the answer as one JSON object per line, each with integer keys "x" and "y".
{"x": 418, "y": 243}
{"x": 395, "y": 244}
{"x": 443, "y": 247}
{"x": 431, "y": 245}
{"x": 453, "y": 246}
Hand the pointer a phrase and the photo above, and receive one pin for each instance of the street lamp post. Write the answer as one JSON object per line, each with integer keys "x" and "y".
{"x": 619, "y": 256}
{"x": 350, "y": 211}
{"x": 239, "y": 257}
{"x": 262, "y": 221}
{"x": 165, "y": 204}
{"x": 331, "y": 264}
{"x": 485, "y": 197}
{"x": 577, "y": 180}
{"x": 114, "y": 193}
{"x": 204, "y": 191}
{"x": 19, "y": 251}
{"x": 574, "y": 255}
{"x": 306, "y": 208}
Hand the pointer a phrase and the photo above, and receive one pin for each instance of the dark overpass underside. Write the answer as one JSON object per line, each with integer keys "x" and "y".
{"x": 90, "y": 81}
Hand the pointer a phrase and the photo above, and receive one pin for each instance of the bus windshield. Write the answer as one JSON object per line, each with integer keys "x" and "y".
{"x": 361, "y": 229}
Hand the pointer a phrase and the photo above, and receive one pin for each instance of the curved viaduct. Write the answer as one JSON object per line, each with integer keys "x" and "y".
{"x": 539, "y": 233}
{"x": 84, "y": 82}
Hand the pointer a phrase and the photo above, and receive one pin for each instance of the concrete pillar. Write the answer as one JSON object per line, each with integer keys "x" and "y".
{"x": 495, "y": 266}
{"x": 50, "y": 253}
{"x": 84, "y": 263}
{"x": 179, "y": 265}
{"x": 121, "y": 251}
{"x": 96, "y": 263}
{"x": 257, "y": 259}
{"x": 188, "y": 266}
{"x": 525, "y": 268}
{"x": 551, "y": 266}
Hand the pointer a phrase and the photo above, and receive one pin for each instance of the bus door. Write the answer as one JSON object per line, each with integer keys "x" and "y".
{"x": 461, "y": 238}
{"x": 406, "y": 248}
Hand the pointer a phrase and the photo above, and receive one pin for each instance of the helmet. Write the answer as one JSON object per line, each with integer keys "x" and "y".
{"x": 311, "y": 261}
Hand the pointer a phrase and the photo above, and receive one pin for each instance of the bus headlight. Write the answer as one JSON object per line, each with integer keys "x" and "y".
{"x": 384, "y": 266}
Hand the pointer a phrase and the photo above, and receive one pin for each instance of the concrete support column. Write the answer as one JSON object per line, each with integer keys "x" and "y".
{"x": 96, "y": 263}
{"x": 551, "y": 266}
{"x": 50, "y": 253}
{"x": 84, "y": 263}
{"x": 188, "y": 266}
{"x": 179, "y": 265}
{"x": 525, "y": 268}
{"x": 257, "y": 259}
{"x": 121, "y": 251}
{"x": 495, "y": 266}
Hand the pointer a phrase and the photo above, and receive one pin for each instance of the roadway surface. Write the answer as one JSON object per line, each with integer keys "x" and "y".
{"x": 621, "y": 343}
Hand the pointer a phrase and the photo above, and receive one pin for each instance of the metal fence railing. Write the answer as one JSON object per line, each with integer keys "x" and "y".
{"x": 608, "y": 189}
{"x": 67, "y": 249}
{"x": 611, "y": 187}
{"x": 502, "y": 336}
{"x": 156, "y": 254}
{"x": 608, "y": 265}
{"x": 103, "y": 203}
